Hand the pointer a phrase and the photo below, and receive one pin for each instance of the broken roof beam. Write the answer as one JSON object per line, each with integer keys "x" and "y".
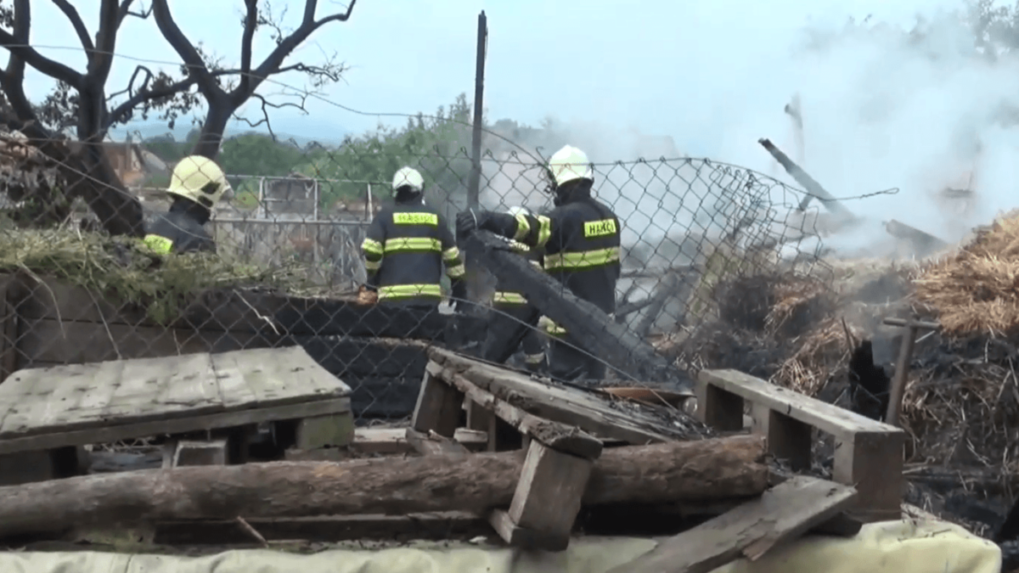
{"x": 923, "y": 242}
{"x": 588, "y": 327}
{"x": 813, "y": 188}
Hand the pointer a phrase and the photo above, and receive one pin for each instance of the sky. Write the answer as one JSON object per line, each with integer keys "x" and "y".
{"x": 712, "y": 74}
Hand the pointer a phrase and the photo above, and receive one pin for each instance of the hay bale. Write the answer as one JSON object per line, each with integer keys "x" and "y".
{"x": 977, "y": 288}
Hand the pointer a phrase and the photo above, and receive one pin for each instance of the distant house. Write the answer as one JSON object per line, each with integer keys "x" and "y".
{"x": 130, "y": 161}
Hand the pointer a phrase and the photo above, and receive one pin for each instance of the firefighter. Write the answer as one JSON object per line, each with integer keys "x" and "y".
{"x": 406, "y": 247}
{"x": 580, "y": 238}
{"x": 515, "y": 318}
{"x": 196, "y": 185}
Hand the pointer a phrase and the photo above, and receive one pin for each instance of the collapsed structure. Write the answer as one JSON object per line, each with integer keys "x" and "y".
{"x": 202, "y": 354}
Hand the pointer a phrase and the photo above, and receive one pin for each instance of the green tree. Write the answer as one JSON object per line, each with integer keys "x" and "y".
{"x": 437, "y": 146}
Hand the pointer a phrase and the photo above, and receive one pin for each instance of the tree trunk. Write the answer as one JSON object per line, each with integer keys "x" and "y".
{"x": 118, "y": 210}
{"x": 211, "y": 136}
{"x": 672, "y": 471}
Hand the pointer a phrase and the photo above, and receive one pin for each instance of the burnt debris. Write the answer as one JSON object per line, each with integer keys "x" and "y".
{"x": 869, "y": 384}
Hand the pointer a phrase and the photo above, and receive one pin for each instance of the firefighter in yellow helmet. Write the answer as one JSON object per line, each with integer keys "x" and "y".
{"x": 581, "y": 242}
{"x": 406, "y": 247}
{"x": 514, "y": 324}
{"x": 196, "y": 185}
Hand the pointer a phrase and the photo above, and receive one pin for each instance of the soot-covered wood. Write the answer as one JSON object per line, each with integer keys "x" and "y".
{"x": 674, "y": 471}
{"x": 589, "y": 327}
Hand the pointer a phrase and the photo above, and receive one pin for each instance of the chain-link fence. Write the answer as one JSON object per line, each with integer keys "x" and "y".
{"x": 699, "y": 243}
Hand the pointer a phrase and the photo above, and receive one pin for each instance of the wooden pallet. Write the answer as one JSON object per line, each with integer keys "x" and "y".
{"x": 563, "y": 429}
{"x": 51, "y": 408}
{"x": 868, "y": 454}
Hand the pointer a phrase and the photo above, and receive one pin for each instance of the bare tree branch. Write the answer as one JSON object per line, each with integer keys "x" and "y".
{"x": 13, "y": 79}
{"x": 125, "y": 11}
{"x": 250, "y": 25}
{"x": 186, "y": 50}
{"x": 19, "y": 46}
{"x": 265, "y": 105}
{"x": 274, "y": 60}
{"x": 79, "y": 26}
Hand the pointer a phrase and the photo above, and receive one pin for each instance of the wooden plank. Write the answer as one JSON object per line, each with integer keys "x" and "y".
{"x": 789, "y": 440}
{"x": 556, "y": 435}
{"x": 144, "y": 428}
{"x": 781, "y": 514}
{"x": 718, "y": 408}
{"x": 821, "y": 415}
{"x": 394, "y": 440}
{"x": 597, "y": 414}
{"x": 8, "y": 327}
{"x": 518, "y": 536}
{"x": 873, "y": 463}
{"x": 438, "y": 406}
{"x": 272, "y": 374}
{"x": 100, "y": 404}
{"x": 482, "y": 420}
{"x": 433, "y": 444}
{"x": 152, "y": 387}
{"x": 33, "y": 397}
{"x": 193, "y": 382}
{"x": 548, "y": 495}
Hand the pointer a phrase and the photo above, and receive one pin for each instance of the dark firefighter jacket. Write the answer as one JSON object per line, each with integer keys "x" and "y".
{"x": 404, "y": 252}
{"x": 581, "y": 243}
{"x": 507, "y": 298}
{"x": 180, "y": 230}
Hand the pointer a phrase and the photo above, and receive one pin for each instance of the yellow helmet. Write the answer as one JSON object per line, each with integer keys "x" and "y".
{"x": 199, "y": 179}
{"x": 568, "y": 164}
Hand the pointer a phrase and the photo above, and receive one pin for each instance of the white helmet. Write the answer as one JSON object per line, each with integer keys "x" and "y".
{"x": 569, "y": 164}
{"x": 517, "y": 210}
{"x": 408, "y": 177}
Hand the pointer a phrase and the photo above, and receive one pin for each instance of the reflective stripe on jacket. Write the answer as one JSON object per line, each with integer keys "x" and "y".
{"x": 405, "y": 250}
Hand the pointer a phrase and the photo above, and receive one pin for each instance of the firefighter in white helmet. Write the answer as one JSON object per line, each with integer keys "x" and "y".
{"x": 580, "y": 238}
{"x": 514, "y": 324}
{"x": 196, "y": 185}
{"x": 407, "y": 245}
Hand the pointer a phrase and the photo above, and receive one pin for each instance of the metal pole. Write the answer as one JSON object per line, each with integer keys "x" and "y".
{"x": 474, "y": 183}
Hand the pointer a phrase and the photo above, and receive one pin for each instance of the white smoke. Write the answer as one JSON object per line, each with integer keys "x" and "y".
{"x": 882, "y": 109}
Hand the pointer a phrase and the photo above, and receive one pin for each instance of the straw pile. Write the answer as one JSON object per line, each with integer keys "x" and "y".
{"x": 123, "y": 270}
{"x": 977, "y": 289}
{"x": 961, "y": 405}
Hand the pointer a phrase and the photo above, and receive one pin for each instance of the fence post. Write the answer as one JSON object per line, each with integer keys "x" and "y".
{"x": 316, "y": 199}
{"x": 474, "y": 183}
{"x": 262, "y": 211}
{"x": 368, "y": 204}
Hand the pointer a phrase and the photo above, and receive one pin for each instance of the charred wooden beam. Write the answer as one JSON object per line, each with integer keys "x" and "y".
{"x": 588, "y": 327}
{"x": 923, "y": 242}
{"x": 814, "y": 189}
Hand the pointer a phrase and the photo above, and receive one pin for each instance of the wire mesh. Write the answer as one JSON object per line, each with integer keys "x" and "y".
{"x": 287, "y": 263}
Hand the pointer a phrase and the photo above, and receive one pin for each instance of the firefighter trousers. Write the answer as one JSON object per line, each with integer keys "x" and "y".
{"x": 513, "y": 326}
{"x": 568, "y": 363}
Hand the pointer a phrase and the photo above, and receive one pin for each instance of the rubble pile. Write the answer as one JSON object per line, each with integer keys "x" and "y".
{"x": 961, "y": 402}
